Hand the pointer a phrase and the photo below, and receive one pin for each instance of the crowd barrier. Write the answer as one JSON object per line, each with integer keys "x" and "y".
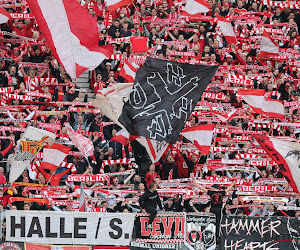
{"x": 178, "y": 231}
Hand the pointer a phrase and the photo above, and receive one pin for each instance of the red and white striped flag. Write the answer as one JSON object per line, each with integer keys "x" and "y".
{"x": 268, "y": 47}
{"x": 223, "y": 116}
{"x": 123, "y": 137}
{"x": 200, "y": 136}
{"x": 129, "y": 70}
{"x": 54, "y": 156}
{"x": 81, "y": 52}
{"x": 4, "y": 16}
{"x": 113, "y": 5}
{"x": 227, "y": 30}
{"x": 195, "y": 8}
{"x": 255, "y": 98}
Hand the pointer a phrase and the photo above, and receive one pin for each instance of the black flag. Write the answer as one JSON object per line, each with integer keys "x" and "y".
{"x": 163, "y": 96}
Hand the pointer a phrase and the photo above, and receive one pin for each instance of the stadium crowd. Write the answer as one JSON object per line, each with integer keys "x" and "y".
{"x": 28, "y": 65}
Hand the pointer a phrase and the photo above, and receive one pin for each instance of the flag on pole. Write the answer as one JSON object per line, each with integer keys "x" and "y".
{"x": 84, "y": 145}
{"x": 255, "y": 98}
{"x": 128, "y": 71}
{"x": 268, "y": 48}
{"x": 81, "y": 51}
{"x": 4, "y": 16}
{"x": 113, "y": 5}
{"x": 54, "y": 156}
{"x": 227, "y": 30}
{"x": 163, "y": 96}
{"x": 200, "y": 136}
{"x": 287, "y": 156}
{"x": 28, "y": 146}
{"x": 195, "y": 8}
{"x": 111, "y": 100}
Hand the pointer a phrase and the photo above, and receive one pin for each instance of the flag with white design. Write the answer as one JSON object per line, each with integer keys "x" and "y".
{"x": 227, "y": 30}
{"x": 200, "y": 136}
{"x": 287, "y": 156}
{"x": 81, "y": 52}
{"x": 111, "y": 100}
{"x": 54, "y": 155}
{"x": 155, "y": 149}
{"x": 195, "y": 8}
{"x": 222, "y": 115}
{"x": 261, "y": 105}
{"x": 4, "y": 16}
{"x": 123, "y": 137}
{"x": 268, "y": 48}
{"x": 128, "y": 71}
{"x": 113, "y": 5}
{"x": 28, "y": 146}
{"x": 84, "y": 145}
{"x": 163, "y": 96}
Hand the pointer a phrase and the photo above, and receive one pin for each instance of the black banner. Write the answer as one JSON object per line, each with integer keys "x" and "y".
{"x": 163, "y": 96}
{"x": 201, "y": 231}
{"x": 260, "y": 233}
{"x": 166, "y": 228}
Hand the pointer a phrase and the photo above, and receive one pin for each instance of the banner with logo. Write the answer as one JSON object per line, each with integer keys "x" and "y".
{"x": 135, "y": 245}
{"x": 8, "y": 245}
{"x": 260, "y": 233}
{"x": 200, "y": 231}
{"x": 167, "y": 228}
{"x": 52, "y": 227}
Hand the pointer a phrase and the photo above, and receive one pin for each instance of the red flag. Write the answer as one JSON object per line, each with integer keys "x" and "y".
{"x": 113, "y": 5}
{"x": 170, "y": 177}
{"x": 129, "y": 70}
{"x": 54, "y": 156}
{"x": 223, "y": 116}
{"x": 268, "y": 47}
{"x": 4, "y": 16}
{"x": 255, "y": 98}
{"x": 200, "y": 136}
{"x": 195, "y": 8}
{"x": 287, "y": 156}
{"x": 123, "y": 137}
{"x": 227, "y": 30}
{"x": 139, "y": 44}
{"x": 81, "y": 52}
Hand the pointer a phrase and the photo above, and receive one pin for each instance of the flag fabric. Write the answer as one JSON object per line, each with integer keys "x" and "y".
{"x": 139, "y": 44}
{"x": 227, "y": 30}
{"x": 81, "y": 52}
{"x": 195, "y": 8}
{"x": 154, "y": 148}
{"x": 170, "y": 177}
{"x": 163, "y": 96}
{"x": 287, "y": 156}
{"x": 255, "y": 98}
{"x": 4, "y": 16}
{"x": 113, "y": 5}
{"x": 54, "y": 156}
{"x": 28, "y": 146}
{"x": 82, "y": 207}
{"x": 84, "y": 145}
{"x": 128, "y": 71}
{"x": 223, "y": 116}
{"x": 111, "y": 100}
{"x": 200, "y": 136}
{"x": 31, "y": 246}
{"x": 268, "y": 48}
{"x": 122, "y": 136}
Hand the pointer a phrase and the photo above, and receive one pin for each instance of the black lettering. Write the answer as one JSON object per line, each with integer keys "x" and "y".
{"x": 48, "y": 229}
{"x": 275, "y": 154}
{"x": 77, "y": 227}
{"x": 14, "y": 226}
{"x": 35, "y": 223}
{"x": 97, "y": 230}
{"x": 281, "y": 166}
{"x": 270, "y": 149}
{"x": 116, "y": 228}
{"x": 62, "y": 229}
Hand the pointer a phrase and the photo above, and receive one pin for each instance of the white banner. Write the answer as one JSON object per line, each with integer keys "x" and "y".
{"x": 76, "y": 228}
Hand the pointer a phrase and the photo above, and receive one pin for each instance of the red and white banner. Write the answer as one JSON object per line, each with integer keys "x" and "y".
{"x": 268, "y": 47}
{"x": 227, "y": 30}
{"x": 195, "y": 8}
{"x": 4, "y": 16}
{"x": 255, "y": 98}
{"x": 113, "y": 5}
{"x": 129, "y": 70}
{"x": 200, "y": 136}
{"x": 54, "y": 156}
{"x": 81, "y": 52}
